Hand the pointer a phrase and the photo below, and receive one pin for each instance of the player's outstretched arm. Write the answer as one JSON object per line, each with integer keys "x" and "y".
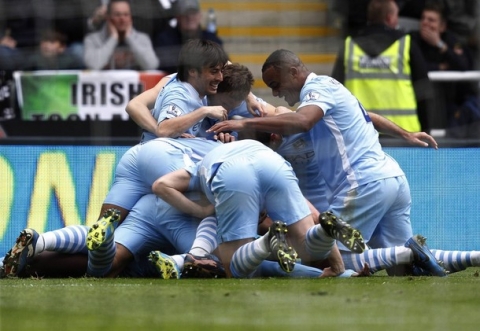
{"x": 386, "y": 126}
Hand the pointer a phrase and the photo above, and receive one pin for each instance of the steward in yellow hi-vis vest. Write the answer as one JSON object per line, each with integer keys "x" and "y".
{"x": 383, "y": 83}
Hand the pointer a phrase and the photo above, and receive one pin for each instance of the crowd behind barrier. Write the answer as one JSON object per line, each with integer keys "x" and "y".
{"x": 466, "y": 123}
{"x": 83, "y": 103}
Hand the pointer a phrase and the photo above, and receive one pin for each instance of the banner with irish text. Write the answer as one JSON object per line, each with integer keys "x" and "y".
{"x": 80, "y": 95}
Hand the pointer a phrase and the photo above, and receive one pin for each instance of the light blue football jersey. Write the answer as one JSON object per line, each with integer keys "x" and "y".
{"x": 176, "y": 99}
{"x": 299, "y": 151}
{"x": 346, "y": 144}
{"x": 203, "y": 172}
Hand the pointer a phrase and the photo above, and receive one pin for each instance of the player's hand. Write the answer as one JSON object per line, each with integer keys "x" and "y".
{"x": 224, "y": 137}
{"x": 232, "y": 125}
{"x": 255, "y": 107}
{"x": 421, "y": 139}
{"x": 217, "y": 113}
{"x": 366, "y": 272}
{"x": 329, "y": 272}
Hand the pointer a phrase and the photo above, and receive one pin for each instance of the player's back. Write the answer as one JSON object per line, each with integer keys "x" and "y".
{"x": 346, "y": 143}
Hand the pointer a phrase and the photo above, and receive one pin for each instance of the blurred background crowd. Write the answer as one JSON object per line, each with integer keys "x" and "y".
{"x": 146, "y": 35}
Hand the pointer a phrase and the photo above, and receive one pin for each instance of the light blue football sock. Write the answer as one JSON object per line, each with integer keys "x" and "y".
{"x": 70, "y": 239}
{"x": 377, "y": 259}
{"x": 100, "y": 260}
{"x": 206, "y": 237}
{"x": 249, "y": 256}
{"x": 455, "y": 261}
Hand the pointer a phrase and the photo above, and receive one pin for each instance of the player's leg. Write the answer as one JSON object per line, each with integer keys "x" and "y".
{"x": 206, "y": 237}
{"x": 30, "y": 243}
{"x": 139, "y": 234}
{"x": 251, "y": 255}
{"x": 201, "y": 260}
{"x": 126, "y": 190}
{"x": 380, "y": 210}
{"x": 184, "y": 231}
{"x": 455, "y": 261}
{"x": 378, "y": 259}
{"x": 272, "y": 269}
{"x": 285, "y": 201}
{"x": 238, "y": 200}
{"x": 414, "y": 252}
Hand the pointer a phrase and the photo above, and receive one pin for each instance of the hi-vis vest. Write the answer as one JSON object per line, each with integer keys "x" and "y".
{"x": 382, "y": 83}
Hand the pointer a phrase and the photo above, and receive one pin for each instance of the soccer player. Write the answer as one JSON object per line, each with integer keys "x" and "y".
{"x": 238, "y": 81}
{"x": 183, "y": 100}
{"x": 241, "y": 179}
{"x": 152, "y": 224}
{"x": 142, "y": 164}
{"x": 368, "y": 189}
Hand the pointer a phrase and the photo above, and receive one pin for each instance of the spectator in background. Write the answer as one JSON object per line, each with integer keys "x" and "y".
{"x": 75, "y": 19}
{"x": 151, "y": 16}
{"x": 352, "y": 13}
{"x": 385, "y": 70}
{"x": 23, "y": 21}
{"x": 443, "y": 51}
{"x": 52, "y": 54}
{"x": 10, "y": 55}
{"x": 20, "y": 23}
{"x": 98, "y": 17}
{"x": 440, "y": 48}
{"x": 463, "y": 20}
{"x": 168, "y": 43}
{"x": 118, "y": 45}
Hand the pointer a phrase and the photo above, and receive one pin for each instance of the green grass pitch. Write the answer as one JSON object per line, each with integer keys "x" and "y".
{"x": 370, "y": 303}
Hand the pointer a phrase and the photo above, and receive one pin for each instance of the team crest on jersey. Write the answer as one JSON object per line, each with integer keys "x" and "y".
{"x": 312, "y": 96}
{"x": 174, "y": 111}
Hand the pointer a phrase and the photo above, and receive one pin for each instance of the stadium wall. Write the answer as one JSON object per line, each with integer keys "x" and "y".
{"x": 47, "y": 187}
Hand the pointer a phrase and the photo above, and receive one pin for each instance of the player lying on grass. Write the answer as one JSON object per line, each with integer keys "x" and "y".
{"x": 414, "y": 255}
{"x": 151, "y": 224}
{"x": 63, "y": 253}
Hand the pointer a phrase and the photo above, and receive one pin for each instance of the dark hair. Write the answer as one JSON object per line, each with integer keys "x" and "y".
{"x": 198, "y": 54}
{"x": 111, "y": 2}
{"x": 237, "y": 81}
{"x": 280, "y": 59}
{"x": 53, "y": 35}
{"x": 436, "y": 7}
{"x": 378, "y": 10}
{"x": 260, "y": 136}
